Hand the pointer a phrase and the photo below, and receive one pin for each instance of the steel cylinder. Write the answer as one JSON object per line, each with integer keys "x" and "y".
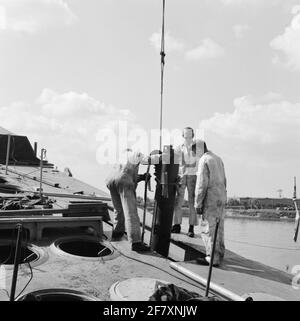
{"x": 166, "y": 173}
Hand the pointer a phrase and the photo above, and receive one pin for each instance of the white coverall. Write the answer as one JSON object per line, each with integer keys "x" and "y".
{"x": 122, "y": 183}
{"x": 211, "y": 197}
{"x": 188, "y": 164}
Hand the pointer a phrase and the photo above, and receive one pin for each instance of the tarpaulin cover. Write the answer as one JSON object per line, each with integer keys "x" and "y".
{"x": 172, "y": 292}
{"x": 21, "y": 152}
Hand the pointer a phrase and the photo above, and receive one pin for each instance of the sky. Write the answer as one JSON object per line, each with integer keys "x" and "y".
{"x": 72, "y": 71}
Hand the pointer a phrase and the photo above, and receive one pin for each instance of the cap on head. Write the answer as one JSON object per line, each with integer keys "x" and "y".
{"x": 200, "y": 145}
{"x": 186, "y": 132}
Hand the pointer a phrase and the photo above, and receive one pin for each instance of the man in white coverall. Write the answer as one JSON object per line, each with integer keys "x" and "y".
{"x": 210, "y": 200}
{"x": 122, "y": 183}
{"x": 189, "y": 153}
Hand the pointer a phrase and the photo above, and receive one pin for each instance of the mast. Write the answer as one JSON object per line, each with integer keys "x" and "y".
{"x": 297, "y": 216}
{"x": 162, "y": 66}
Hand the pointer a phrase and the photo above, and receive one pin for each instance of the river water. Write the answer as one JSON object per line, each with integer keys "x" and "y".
{"x": 269, "y": 242}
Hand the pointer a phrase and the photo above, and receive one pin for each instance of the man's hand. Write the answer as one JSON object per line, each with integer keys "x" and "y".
{"x": 199, "y": 211}
{"x": 155, "y": 152}
{"x": 147, "y": 177}
{"x": 143, "y": 177}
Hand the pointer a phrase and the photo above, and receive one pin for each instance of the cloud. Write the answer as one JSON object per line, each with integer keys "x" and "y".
{"x": 237, "y": 2}
{"x": 258, "y": 142}
{"x": 240, "y": 30}
{"x": 206, "y": 50}
{"x": 251, "y": 2}
{"x": 31, "y": 16}
{"x": 171, "y": 44}
{"x": 68, "y": 126}
{"x": 289, "y": 43}
{"x": 265, "y": 125}
{"x": 69, "y": 104}
{"x": 240, "y": 2}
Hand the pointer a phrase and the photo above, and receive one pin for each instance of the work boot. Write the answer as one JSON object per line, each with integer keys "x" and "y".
{"x": 116, "y": 236}
{"x": 206, "y": 261}
{"x": 216, "y": 264}
{"x": 140, "y": 247}
{"x": 176, "y": 228}
{"x": 202, "y": 261}
{"x": 191, "y": 231}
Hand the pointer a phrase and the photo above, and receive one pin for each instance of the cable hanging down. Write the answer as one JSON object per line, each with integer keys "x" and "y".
{"x": 162, "y": 65}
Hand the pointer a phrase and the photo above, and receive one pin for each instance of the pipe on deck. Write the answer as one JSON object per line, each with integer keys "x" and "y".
{"x": 16, "y": 261}
{"x": 227, "y": 294}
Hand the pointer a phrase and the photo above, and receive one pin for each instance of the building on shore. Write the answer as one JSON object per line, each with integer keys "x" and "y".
{"x": 264, "y": 203}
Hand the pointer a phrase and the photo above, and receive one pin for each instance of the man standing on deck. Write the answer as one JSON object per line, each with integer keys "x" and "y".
{"x": 122, "y": 183}
{"x": 189, "y": 152}
{"x": 210, "y": 200}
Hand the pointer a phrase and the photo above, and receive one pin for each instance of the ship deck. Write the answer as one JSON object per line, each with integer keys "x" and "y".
{"x": 95, "y": 276}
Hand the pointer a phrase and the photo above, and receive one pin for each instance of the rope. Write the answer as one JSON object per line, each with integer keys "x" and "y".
{"x": 265, "y": 246}
{"x": 23, "y": 178}
{"x": 158, "y": 268}
{"x": 162, "y": 65}
{"x": 31, "y": 272}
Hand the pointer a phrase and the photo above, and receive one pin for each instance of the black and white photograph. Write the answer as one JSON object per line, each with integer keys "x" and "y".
{"x": 149, "y": 154}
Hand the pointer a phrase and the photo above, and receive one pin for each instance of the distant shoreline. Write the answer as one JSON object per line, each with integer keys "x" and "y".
{"x": 250, "y": 214}
{"x": 261, "y": 215}
{"x": 258, "y": 218}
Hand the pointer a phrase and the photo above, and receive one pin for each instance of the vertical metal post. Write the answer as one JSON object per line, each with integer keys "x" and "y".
{"x": 212, "y": 257}
{"x": 7, "y": 153}
{"x": 16, "y": 262}
{"x": 297, "y": 216}
{"x": 35, "y": 148}
{"x": 41, "y": 173}
{"x": 162, "y": 66}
